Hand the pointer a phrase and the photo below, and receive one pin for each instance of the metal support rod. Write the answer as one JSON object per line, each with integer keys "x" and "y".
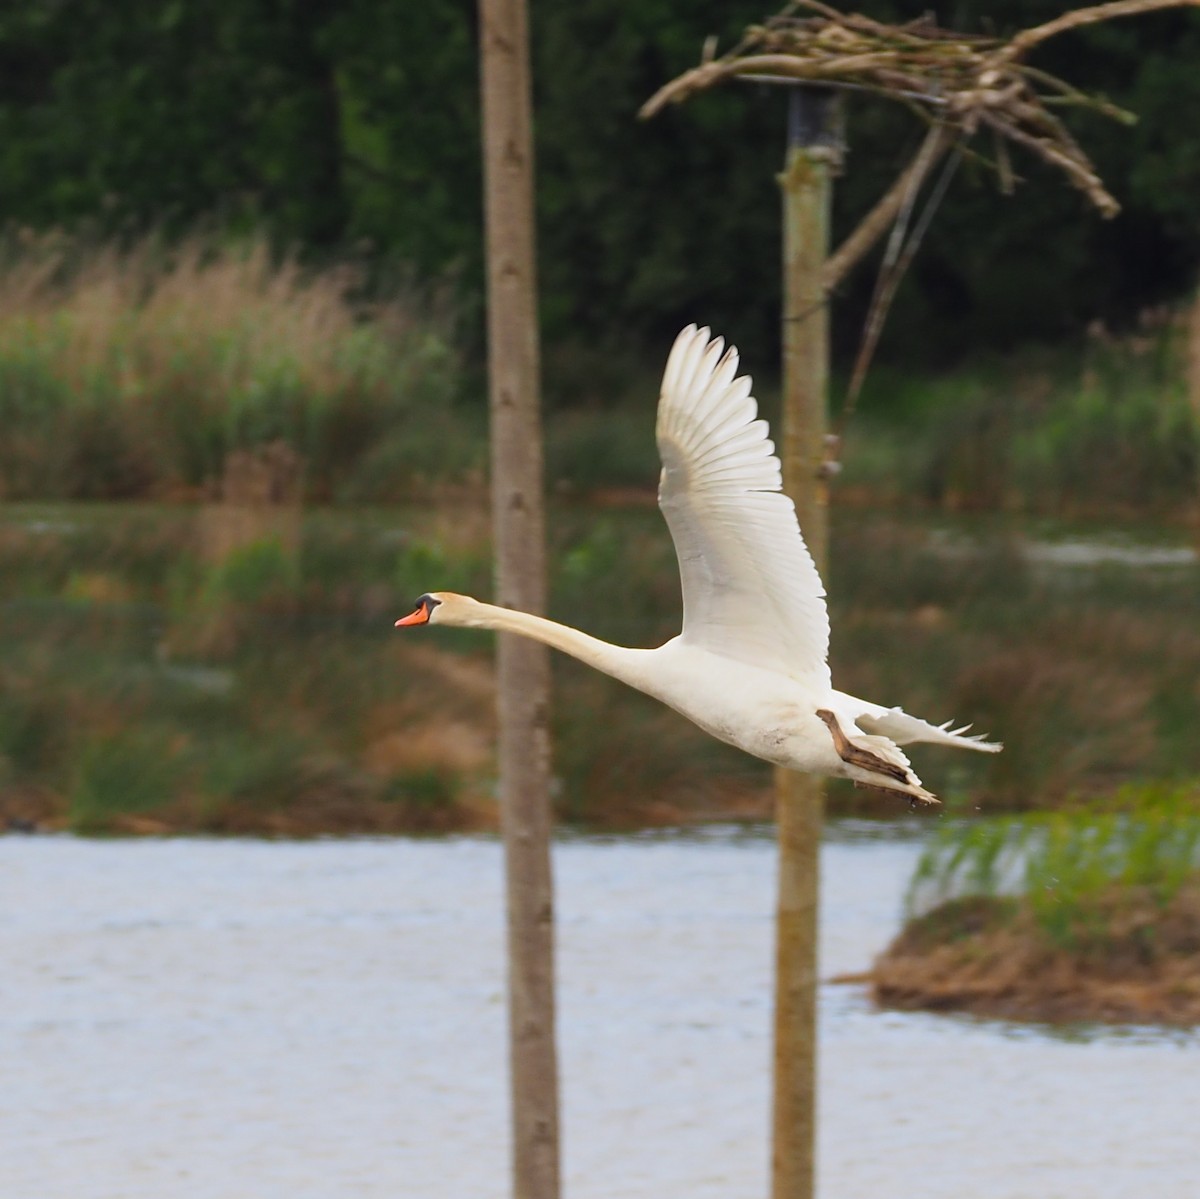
{"x": 523, "y": 669}
{"x": 814, "y": 153}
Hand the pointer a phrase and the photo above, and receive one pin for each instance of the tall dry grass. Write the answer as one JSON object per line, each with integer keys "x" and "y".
{"x": 135, "y": 371}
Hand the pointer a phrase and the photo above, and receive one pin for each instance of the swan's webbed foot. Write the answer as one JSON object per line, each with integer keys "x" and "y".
{"x": 887, "y": 771}
{"x": 856, "y": 755}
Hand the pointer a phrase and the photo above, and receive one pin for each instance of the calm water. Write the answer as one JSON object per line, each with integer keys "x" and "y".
{"x": 226, "y": 1019}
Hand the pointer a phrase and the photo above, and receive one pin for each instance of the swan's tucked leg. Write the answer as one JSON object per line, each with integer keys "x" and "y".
{"x": 877, "y": 757}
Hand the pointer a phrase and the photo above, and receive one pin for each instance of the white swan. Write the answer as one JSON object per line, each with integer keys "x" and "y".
{"x": 750, "y": 665}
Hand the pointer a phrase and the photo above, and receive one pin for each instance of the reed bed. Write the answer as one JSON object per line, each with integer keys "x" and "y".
{"x": 135, "y": 371}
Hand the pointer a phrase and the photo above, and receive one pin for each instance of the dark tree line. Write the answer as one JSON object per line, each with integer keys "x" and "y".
{"x": 354, "y": 126}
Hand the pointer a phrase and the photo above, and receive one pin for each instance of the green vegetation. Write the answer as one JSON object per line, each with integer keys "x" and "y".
{"x": 126, "y": 772}
{"x": 137, "y": 373}
{"x": 268, "y": 692}
{"x": 252, "y": 679}
{"x": 113, "y": 704}
{"x": 1103, "y": 427}
{"x": 1067, "y": 865}
{"x": 1088, "y": 913}
{"x": 244, "y": 676}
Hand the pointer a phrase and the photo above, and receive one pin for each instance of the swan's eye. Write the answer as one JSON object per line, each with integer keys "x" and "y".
{"x": 428, "y": 603}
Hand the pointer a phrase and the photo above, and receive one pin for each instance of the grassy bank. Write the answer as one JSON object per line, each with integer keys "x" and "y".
{"x": 133, "y": 373}
{"x": 145, "y": 688}
{"x": 1098, "y": 427}
{"x": 1071, "y": 916}
{"x": 143, "y": 684}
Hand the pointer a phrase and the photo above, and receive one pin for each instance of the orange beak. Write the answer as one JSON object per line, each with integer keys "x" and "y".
{"x": 420, "y": 616}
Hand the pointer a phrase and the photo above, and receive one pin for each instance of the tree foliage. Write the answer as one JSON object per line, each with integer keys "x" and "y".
{"x": 354, "y": 126}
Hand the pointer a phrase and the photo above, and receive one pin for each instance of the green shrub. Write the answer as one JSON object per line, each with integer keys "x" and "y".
{"x": 429, "y": 565}
{"x": 260, "y": 574}
{"x": 261, "y": 772}
{"x": 131, "y": 771}
{"x": 1099, "y": 426}
{"x": 32, "y": 726}
{"x": 596, "y": 448}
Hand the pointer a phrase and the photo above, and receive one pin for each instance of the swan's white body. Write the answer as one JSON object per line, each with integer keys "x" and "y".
{"x": 750, "y": 666}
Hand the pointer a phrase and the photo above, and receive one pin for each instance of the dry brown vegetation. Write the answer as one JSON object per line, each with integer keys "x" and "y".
{"x": 154, "y": 302}
{"x": 988, "y": 956}
{"x": 134, "y": 371}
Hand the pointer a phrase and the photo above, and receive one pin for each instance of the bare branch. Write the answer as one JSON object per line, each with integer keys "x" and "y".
{"x": 1066, "y": 94}
{"x": 1024, "y": 41}
{"x": 1079, "y": 173}
{"x": 954, "y": 80}
{"x": 876, "y": 223}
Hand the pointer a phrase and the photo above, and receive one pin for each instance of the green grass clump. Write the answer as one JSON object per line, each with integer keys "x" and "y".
{"x": 127, "y": 772}
{"x": 427, "y": 797}
{"x": 1068, "y": 867}
{"x": 259, "y": 573}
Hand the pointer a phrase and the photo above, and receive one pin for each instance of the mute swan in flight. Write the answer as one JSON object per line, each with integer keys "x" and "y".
{"x": 750, "y": 665}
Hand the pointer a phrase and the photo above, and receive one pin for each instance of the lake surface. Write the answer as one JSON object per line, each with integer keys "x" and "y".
{"x": 218, "y": 1019}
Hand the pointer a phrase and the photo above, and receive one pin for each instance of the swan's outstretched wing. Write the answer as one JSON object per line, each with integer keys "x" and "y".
{"x": 750, "y": 589}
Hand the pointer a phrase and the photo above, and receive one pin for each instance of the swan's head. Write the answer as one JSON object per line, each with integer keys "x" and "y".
{"x": 444, "y": 607}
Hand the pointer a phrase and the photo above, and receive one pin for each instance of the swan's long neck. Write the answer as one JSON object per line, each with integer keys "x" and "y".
{"x": 631, "y": 666}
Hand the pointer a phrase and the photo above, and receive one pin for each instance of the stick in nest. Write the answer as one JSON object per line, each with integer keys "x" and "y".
{"x": 960, "y": 81}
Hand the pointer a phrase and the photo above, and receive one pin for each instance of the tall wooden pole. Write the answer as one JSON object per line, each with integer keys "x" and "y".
{"x": 523, "y": 669}
{"x": 1193, "y": 377}
{"x": 813, "y": 155}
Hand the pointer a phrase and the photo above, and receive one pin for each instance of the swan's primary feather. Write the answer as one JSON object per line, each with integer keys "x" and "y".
{"x": 750, "y": 589}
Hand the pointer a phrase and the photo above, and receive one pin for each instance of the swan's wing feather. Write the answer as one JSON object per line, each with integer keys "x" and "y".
{"x": 750, "y": 589}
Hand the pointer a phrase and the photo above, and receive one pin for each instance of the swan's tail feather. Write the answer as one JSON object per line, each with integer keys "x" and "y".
{"x": 903, "y": 729}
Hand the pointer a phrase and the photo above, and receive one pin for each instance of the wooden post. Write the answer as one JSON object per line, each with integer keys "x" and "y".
{"x": 1193, "y": 379}
{"x": 523, "y": 669}
{"x": 813, "y": 155}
